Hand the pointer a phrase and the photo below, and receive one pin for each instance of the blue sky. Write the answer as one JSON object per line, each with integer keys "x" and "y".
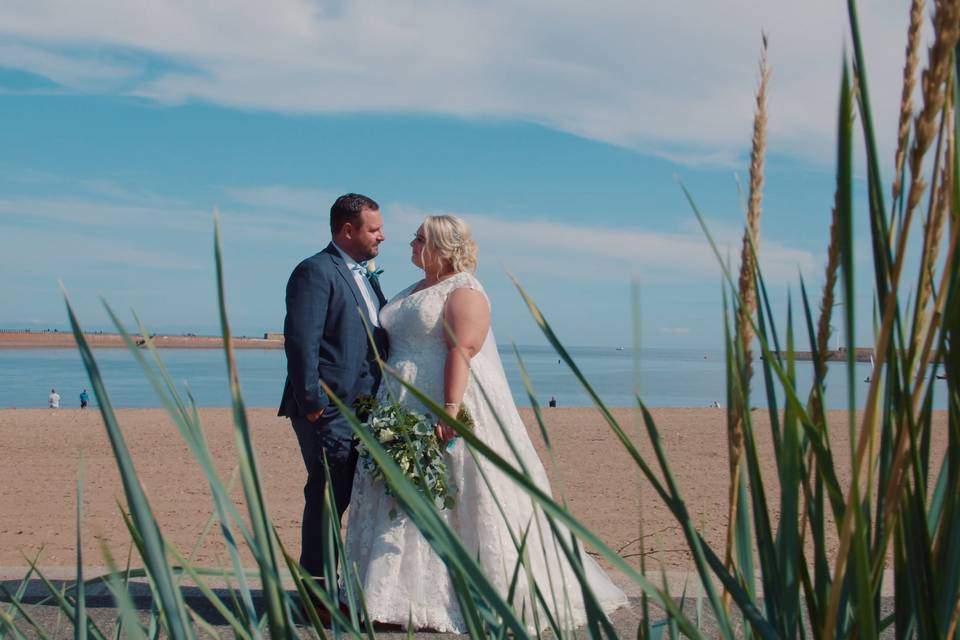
{"x": 559, "y": 133}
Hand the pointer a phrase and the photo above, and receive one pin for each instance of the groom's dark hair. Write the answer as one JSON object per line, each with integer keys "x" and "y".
{"x": 347, "y": 208}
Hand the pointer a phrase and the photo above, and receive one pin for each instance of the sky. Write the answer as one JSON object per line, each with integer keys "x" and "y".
{"x": 561, "y": 131}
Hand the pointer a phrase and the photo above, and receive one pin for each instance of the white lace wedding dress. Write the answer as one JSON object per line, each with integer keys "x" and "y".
{"x": 401, "y": 576}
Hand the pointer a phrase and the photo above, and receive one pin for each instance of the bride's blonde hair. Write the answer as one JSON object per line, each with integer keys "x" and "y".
{"x": 449, "y": 238}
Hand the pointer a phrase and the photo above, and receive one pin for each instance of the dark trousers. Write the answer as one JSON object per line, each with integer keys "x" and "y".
{"x": 333, "y": 438}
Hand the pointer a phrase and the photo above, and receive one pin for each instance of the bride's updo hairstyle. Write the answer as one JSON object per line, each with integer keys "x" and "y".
{"x": 449, "y": 238}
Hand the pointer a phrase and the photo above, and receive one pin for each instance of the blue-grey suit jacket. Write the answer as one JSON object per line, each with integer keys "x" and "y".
{"x": 325, "y": 337}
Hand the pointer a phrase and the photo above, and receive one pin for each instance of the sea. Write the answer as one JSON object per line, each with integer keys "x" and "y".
{"x": 667, "y": 377}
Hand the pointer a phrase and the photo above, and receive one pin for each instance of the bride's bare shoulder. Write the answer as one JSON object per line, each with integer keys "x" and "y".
{"x": 467, "y": 293}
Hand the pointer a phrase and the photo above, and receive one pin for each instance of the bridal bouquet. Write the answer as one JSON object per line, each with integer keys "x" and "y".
{"x": 410, "y": 440}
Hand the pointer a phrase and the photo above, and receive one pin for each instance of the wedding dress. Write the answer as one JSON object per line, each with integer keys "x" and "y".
{"x": 401, "y": 576}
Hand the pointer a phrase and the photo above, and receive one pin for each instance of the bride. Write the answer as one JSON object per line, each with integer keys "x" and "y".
{"x": 402, "y": 578}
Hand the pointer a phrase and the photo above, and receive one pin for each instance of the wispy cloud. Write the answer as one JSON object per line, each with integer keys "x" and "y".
{"x": 85, "y": 70}
{"x": 642, "y": 75}
{"x": 283, "y": 197}
{"x": 64, "y": 254}
{"x": 584, "y": 252}
{"x": 91, "y": 212}
{"x": 279, "y": 216}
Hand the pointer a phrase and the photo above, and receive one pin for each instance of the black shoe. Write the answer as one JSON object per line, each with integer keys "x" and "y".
{"x": 323, "y": 614}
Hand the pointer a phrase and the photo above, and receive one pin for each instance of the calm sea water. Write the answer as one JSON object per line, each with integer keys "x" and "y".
{"x": 668, "y": 377}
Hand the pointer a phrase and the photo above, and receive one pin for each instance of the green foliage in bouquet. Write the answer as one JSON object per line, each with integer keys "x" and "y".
{"x": 363, "y": 405}
{"x": 409, "y": 439}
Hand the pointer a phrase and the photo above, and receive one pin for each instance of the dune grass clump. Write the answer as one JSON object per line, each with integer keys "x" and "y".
{"x": 899, "y": 515}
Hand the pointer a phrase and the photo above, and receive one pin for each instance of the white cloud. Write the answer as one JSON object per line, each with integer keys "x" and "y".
{"x": 593, "y": 253}
{"x": 676, "y": 79}
{"x": 142, "y": 216}
{"x": 283, "y": 216}
{"x": 67, "y": 255}
{"x": 89, "y": 71}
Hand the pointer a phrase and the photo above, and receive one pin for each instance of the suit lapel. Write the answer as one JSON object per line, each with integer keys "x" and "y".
{"x": 346, "y": 274}
{"x": 375, "y": 283}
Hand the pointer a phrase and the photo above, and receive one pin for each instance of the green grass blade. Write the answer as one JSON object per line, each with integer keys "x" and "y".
{"x": 188, "y": 424}
{"x": 10, "y": 620}
{"x": 8, "y": 625}
{"x": 427, "y": 519}
{"x": 878, "y": 222}
{"x": 702, "y": 553}
{"x": 693, "y": 540}
{"x": 559, "y": 490}
{"x": 170, "y": 597}
{"x": 296, "y": 572}
{"x": 818, "y": 363}
{"x": 273, "y": 593}
{"x": 80, "y": 614}
{"x": 596, "y": 619}
{"x": 128, "y": 626}
{"x": 789, "y": 553}
{"x": 820, "y": 445}
{"x": 239, "y": 629}
{"x": 22, "y": 588}
{"x": 845, "y": 230}
{"x": 422, "y": 512}
{"x": 67, "y": 607}
{"x": 334, "y": 553}
{"x": 676, "y": 507}
{"x": 768, "y": 382}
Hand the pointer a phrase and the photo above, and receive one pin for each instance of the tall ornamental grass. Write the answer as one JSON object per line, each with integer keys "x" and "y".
{"x": 899, "y": 514}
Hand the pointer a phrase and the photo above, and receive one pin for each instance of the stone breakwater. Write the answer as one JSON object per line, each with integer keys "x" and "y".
{"x": 861, "y": 354}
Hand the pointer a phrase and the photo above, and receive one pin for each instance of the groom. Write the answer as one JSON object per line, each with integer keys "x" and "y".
{"x": 325, "y": 338}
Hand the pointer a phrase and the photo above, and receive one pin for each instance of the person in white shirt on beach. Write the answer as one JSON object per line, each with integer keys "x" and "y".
{"x": 54, "y": 399}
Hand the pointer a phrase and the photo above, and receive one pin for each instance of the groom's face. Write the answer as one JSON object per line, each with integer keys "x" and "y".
{"x": 365, "y": 237}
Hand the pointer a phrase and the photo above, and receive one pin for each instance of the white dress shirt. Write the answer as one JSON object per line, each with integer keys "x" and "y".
{"x": 366, "y": 290}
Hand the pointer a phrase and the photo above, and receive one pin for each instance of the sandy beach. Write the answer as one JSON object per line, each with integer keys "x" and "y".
{"x": 42, "y": 449}
{"x": 65, "y": 340}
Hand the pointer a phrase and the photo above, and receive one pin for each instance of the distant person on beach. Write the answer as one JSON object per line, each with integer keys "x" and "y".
{"x": 54, "y": 399}
{"x": 84, "y": 399}
{"x": 553, "y": 403}
{"x": 325, "y": 339}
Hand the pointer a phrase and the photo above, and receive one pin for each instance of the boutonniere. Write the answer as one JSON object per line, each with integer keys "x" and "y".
{"x": 373, "y": 273}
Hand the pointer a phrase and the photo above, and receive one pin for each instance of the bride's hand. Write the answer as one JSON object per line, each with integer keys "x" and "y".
{"x": 444, "y": 433}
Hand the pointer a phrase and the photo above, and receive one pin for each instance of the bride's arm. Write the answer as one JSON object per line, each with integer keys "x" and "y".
{"x": 467, "y": 317}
